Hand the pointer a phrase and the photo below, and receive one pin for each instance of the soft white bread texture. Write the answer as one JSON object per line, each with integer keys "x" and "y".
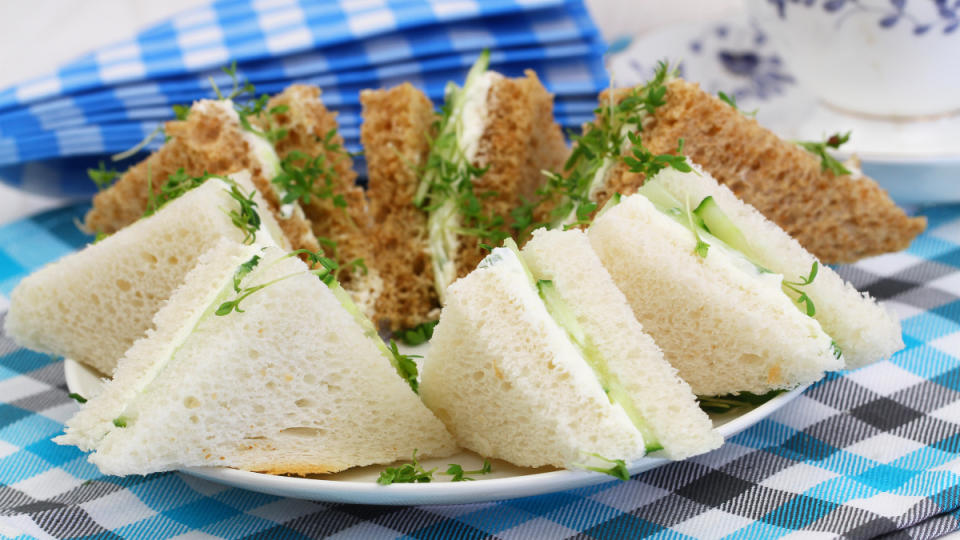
{"x": 665, "y": 401}
{"x": 292, "y": 385}
{"x": 509, "y": 384}
{"x": 91, "y": 305}
{"x": 863, "y": 329}
{"x": 724, "y": 330}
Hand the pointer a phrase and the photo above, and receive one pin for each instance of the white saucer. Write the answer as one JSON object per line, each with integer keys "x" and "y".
{"x": 916, "y": 161}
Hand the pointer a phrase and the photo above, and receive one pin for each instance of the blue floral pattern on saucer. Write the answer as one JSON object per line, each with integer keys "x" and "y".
{"x": 944, "y": 13}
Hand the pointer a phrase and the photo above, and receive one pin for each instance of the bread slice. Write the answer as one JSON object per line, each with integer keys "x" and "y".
{"x": 519, "y": 139}
{"x": 725, "y": 331}
{"x": 283, "y": 387}
{"x": 863, "y": 330}
{"x": 396, "y": 132}
{"x": 210, "y": 140}
{"x": 312, "y": 130}
{"x": 662, "y": 398}
{"x": 93, "y": 304}
{"x": 838, "y": 219}
{"x": 508, "y": 382}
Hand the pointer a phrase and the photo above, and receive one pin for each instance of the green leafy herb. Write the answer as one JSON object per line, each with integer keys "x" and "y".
{"x": 645, "y": 162}
{"x": 406, "y": 474}
{"x": 803, "y": 299}
{"x": 181, "y": 112}
{"x": 722, "y": 404}
{"x": 98, "y": 236}
{"x": 731, "y": 100}
{"x": 595, "y": 152}
{"x": 102, "y": 176}
{"x": 77, "y": 397}
{"x": 120, "y": 421}
{"x": 246, "y": 218}
{"x": 176, "y": 185}
{"x": 459, "y": 475}
{"x": 617, "y": 468}
{"x": 406, "y": 366}
{"x": 243, "y": 270}
{"x": 418, "y": 334}
{"x": 302, "y": 177}
{"x": 837, "y": 351}
{"x": 828, "y": 162}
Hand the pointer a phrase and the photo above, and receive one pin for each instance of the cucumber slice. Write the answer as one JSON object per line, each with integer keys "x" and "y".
{"x": 718, "y": 224}
{"x": 616, "y": 393}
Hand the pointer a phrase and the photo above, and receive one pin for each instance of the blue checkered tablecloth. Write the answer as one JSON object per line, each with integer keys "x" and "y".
{"x": 873, "y": 452}
{"x": 107, "y": 101}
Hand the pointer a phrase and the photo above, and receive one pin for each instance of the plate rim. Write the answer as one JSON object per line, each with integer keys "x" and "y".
{"x": 487, "y": 490}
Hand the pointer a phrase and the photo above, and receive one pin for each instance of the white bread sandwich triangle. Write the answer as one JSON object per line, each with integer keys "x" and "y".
{"x": 512, "y": 378}
{"x": 256, "y": 364}
{"x": 663, "y": 400}
{"x": 727, "y": 323}
{"x": 862, "y": 329}
{"x": 92, "y": 305}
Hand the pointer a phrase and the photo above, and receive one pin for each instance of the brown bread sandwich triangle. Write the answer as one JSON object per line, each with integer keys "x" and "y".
{"x": 444, "y": 185}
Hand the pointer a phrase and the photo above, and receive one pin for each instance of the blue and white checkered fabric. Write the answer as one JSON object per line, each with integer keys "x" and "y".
{"x": 107, "y": 101}
{"x": 859, "y": 455}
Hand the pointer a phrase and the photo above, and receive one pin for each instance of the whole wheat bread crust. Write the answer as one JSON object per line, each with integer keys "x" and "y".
{"x": 396, "y": 126}
{"x": 838, "y": 219}
{"x": 308, "y": 122}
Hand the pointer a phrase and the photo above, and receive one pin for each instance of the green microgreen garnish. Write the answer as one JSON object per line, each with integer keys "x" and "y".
{"x": 98, "y": 236}
{"x": 595, "y": 152}
{"x": 325, "y": 268}
{"x": 803, "y": 299}
{"x": 722, "y": 404}
{"x": 414, "y": 472}
{"x": 731, "y": 100}
{"x": 120, "y": 421}
{"x": 458, "y": 474}
{"x": 180, "y": 112}
{"x": 243, "y": 270}
{"x": 302, "y": 177}
{"x": 406, "y": 366}
{"x": 828, "y": 162}
{"x": 837, "y": 351}
{"x": 102, "y": 176}
{"x": 406, "y": 474}
{"x": 246, "y": 218}
{"x": 77, "y": 397}
{"x": 646, "y": 162}
{"x": 176, "y": 185}
{"x": 418, "y": 334}
{"x": 617, "y": 469}
{"x": 446, "y": 188}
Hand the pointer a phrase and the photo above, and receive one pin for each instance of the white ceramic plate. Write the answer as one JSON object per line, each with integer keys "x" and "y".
{"x": 359, "y": 485}
{"x": 916, "y": 161}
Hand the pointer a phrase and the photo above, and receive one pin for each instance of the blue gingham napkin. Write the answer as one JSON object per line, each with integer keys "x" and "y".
{"x": 109, "y": 100}
{"x": 861, "y": 454}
